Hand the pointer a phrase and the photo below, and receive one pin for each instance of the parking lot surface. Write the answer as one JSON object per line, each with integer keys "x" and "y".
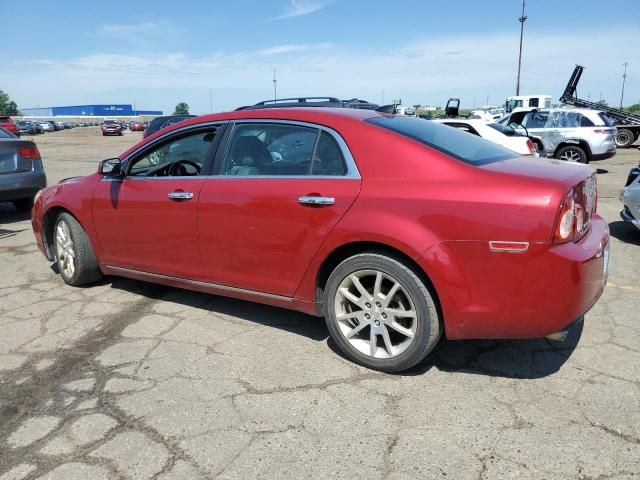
{"x": 127, "y": 379}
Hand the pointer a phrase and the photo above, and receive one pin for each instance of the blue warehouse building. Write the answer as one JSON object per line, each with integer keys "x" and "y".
{"x": 109, "y": 110}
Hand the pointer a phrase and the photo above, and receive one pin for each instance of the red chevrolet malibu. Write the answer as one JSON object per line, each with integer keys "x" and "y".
{"x": 396, "y": 229}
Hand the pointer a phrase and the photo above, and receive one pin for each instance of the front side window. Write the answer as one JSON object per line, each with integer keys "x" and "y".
{"x": 272, "y": 149}
{"x": 467, "y": 148}
{"x": 533, "y": 102}
{"x": 184, "y": 156}
{"x": 535, "y": 119}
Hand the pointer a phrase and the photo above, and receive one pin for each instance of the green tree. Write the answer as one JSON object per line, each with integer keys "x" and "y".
{"x": 181, "y": 109}
{"x": 634, "y": 108}
{"x": 7, "y": 106}
{"x": 603, "y": 103}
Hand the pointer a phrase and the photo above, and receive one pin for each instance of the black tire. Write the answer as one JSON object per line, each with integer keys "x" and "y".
{"x": 428, "y": 323}
{"x": 104, "y": 134}
{"x": 624, "y": 138}
{"x": 23, "y": 204}
{"x": 572, "y": 151}
{"x": 86, "y": 265}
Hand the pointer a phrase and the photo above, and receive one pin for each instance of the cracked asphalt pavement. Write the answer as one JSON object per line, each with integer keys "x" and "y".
{"x": 127, "y": 379}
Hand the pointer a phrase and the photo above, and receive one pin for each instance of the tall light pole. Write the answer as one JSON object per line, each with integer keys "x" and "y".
{"x": 210, "y": 100}
{"x": 522, "y": 19}
{"x": 275, "y": 86}
{"x": 624, "y": 78}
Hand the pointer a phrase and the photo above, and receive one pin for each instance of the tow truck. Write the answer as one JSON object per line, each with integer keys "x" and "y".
{"x": 628, "y": 124}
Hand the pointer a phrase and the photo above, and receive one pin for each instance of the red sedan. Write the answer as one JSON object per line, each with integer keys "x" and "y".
{"x": 110, "y": 127}
{"x": 8, "y": 125}
{"x": 395, "y": 229}
{"x": 137, "y": 127}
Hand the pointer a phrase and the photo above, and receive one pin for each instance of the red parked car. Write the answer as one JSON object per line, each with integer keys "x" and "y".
{"x": 8, "y": 125}
{"x": 137, "y": 127}
{"x": 110, "y": 127}
{"x": 395, "y": 229}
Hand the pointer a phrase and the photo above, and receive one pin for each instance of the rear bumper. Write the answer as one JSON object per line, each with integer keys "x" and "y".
{"x": 603, "y": 156}
{"x": 626, "y": 215}
{"x": 521, "y": 295}
{"x": 14, "y": 186}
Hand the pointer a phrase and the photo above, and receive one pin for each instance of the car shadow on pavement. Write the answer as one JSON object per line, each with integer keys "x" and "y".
{"x": 530, "y": 359}
{"x": 9, "y": 214}
{"x": 500, "y": 358}
{"x": 287, "y": 320}
{"x": 624, "y": 232}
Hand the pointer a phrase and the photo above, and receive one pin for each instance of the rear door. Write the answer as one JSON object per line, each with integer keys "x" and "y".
{"x": 281, "y": 188}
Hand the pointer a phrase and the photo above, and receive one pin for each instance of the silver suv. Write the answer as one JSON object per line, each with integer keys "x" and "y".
{"x": 576, "y": 135}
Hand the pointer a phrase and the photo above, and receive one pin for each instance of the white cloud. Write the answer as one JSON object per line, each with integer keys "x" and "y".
{"x": 294, "y": 48}
{"x": 298, "y": 8}
{"x": 142, "y": 34}
{"x": 426, "y": 72}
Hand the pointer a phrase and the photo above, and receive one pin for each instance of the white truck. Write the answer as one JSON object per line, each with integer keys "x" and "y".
{"x": 527, "y": 102}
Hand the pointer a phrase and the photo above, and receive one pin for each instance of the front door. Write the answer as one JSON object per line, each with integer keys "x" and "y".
{"x": 280, "y": 191}
{"x": 148, "y": 220}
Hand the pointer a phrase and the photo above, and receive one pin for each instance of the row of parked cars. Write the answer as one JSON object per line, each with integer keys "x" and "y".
{"x": 34, "y": 127}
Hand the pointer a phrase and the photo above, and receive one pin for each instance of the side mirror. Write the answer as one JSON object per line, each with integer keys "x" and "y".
{"x": 111, "y": 167}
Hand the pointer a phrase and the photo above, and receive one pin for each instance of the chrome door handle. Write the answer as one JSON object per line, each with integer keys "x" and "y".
{"x": 316, "y": 200}
{"x": 180, "y": 195}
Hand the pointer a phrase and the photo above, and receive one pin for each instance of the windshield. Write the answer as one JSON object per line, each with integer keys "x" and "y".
{"x": 511, "y": 104}
{"x": 463, "y": 146}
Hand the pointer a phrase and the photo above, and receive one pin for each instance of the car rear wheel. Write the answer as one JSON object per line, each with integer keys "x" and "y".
{"x": 380, "y": 313}
{"x": 624, "y": 138}
{"x": 74, "y": 254}
{"x": 572, "y": 153}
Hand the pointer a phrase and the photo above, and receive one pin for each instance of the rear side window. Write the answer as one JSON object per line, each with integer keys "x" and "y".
{"x": 467, "y": 148}
{"x": 585, "y": 122}
{"x": 275, "y": 149}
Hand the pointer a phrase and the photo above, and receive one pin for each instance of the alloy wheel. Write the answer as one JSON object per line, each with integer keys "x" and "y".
{"x": 571, "y": 156}
{"x": 64, "y": 248}
{"x": 375, "y": 313}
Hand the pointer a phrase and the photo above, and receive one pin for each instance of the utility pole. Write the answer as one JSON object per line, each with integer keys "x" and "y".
{"x": 624, "y": 78}
{"x": 275, "y": 86}
{"x": 210, "y": 100}
{"x": 522, "y": 19}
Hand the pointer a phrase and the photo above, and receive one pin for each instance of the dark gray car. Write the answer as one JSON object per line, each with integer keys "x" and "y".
{"x": 21, "y": 171}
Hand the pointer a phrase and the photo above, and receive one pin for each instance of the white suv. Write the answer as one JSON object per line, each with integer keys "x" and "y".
{"x": 576, "y": 135}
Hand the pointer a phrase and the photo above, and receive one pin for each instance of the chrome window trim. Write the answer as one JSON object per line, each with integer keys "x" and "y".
{"x": 352, "y": 168}
{"x": 164, "y": 136}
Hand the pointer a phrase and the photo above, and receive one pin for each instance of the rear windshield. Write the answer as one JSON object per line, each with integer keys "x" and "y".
{"x": 463, "y": 146}
{"x": 607, "y": 121}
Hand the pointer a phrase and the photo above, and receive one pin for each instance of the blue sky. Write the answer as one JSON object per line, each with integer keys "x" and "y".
{"x": 159, "y": 53}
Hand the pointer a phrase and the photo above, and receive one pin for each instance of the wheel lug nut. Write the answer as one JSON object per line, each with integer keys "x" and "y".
{"x": 384, "y": 315}
{"x": 368, "y": 305}
{"x": 378, "y": 304}
{"x": 367, "y": 316}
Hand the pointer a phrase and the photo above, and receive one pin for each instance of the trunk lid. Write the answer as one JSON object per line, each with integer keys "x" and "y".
{"x": 10, "y": 161}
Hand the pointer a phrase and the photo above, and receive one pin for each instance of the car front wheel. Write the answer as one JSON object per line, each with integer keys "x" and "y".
{"x": 380, "y": 313}
{"x": 74, "y": 254}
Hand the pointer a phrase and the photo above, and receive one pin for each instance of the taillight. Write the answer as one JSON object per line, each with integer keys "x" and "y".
{"x": 531, "y": 146}
{"x": 576, "y": 210}
{"x": 30, "y": 153}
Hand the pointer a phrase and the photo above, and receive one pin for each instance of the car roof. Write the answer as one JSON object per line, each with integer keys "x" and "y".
{"x": 329, "y": 117}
